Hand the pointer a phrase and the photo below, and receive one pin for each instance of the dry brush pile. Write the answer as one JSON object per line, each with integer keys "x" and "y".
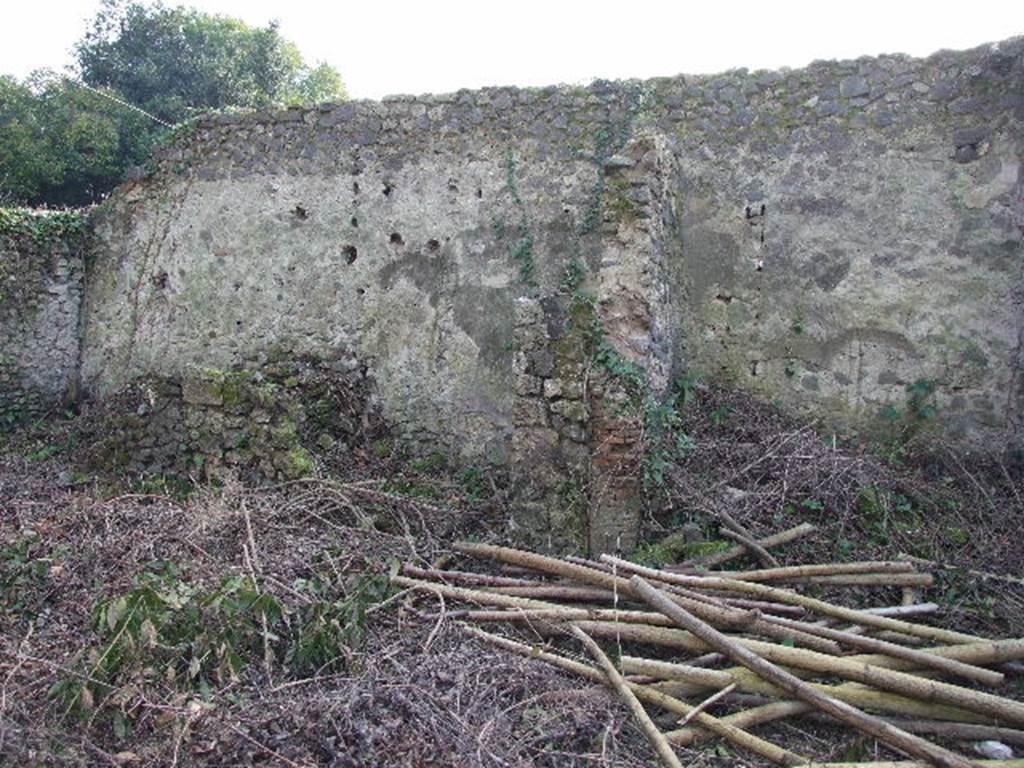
{"x": 726, "y": 651}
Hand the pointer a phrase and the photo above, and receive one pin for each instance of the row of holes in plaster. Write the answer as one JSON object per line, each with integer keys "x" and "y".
{"x": 387, "y": 188}
{"x": 433, "y": 246}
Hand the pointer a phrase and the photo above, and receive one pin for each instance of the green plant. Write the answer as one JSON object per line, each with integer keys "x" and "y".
{"x": 573, "y": 275}
{"x": 167, "y": 627}
{"x": 685, "y": 445}
{"x": 721, "y": 415}
{"x": 327, "y": 629}
{"x": 432, "y": 462}
{"x": 166, "y": 631}
{"x": 885, "y": 514}
{"x": 474, "y": 483}
{"x": 904, "y": 424}
{"x": 45, "y": 452}
{"x": 522, "y": 257}
{"x": 383, "y": 448}
{"x": 23, "y": 568}
{"x": 607, "y": 140}
{"x": 686, "y": 387}
{"x": 920, "y": 403}
{"x": 175, "y": 487}
{"x": 522, "y": 253}
{"x": 399, "y": 485}
{"x": 42, "y": 227}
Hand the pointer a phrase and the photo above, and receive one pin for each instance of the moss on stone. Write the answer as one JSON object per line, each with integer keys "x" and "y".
{"x": 677, "y": 547}
{"x": 299, "y": 463}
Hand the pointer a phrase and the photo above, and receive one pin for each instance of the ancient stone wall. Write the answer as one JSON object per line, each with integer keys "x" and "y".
{"x": 513, "y": 265}
{"x": 41, "y": 280}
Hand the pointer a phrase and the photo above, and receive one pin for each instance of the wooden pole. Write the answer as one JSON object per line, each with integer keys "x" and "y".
{"x": 656, "y": 737}
{"x": 783, "y": 537}
{"x": 915, "y": 764}
{"x": 736, "y": 736}
{"x": 794, "y": 598}
{"x": 695, "y": 680}
{"x": 817, "y": 569}
{"x": 917, "y": 657}
{"x": 873, "y": 726}
{"x": 933, "y": 691}
{"x": 716, "y": 614}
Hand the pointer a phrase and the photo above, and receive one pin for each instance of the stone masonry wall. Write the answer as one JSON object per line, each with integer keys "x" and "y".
{"x": 825, "y": 237}
{"x": 40, "y": 296}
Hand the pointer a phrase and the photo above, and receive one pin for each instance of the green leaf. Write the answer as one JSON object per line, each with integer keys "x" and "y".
{"x": 115, "y": 610}
{"x": 122, "y": 726}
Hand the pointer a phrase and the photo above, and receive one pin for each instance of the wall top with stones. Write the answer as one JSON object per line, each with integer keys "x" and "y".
{"x": 970, "y": 92}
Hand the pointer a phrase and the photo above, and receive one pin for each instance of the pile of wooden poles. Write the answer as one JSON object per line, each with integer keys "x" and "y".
{"x": 745, "y": 641}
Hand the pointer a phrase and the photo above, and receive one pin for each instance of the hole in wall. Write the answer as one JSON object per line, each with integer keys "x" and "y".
{"x": 452, "y": 186}
{"x": 433, "y": 245}
{"x": 355, "y": 187}
{"x": 396, "y": 239}
{"x": 361, "y": 291}
{"x": 479, "y": 192}
{"x": 387, "y": 189}
{"x": 354, "y": 222}
{"x": 300, "y": 213}
{"x": 350, "y": 254}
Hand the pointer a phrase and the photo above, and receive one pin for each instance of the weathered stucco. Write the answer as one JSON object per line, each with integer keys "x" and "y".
{"x": 825, "y": 237}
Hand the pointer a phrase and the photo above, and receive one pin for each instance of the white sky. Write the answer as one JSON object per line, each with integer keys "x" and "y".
{"x": 435, "y": 46}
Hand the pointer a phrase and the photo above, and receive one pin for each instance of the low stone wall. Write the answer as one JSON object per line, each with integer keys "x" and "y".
{"x": 41, "y": 284}
{"x": 270, "y": 422}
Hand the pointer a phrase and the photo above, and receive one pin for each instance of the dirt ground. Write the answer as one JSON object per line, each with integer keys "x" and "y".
{"x": 404, "y": 690}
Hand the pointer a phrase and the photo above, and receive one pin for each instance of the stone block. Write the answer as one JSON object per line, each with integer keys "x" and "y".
{"x": 530, "y": 413}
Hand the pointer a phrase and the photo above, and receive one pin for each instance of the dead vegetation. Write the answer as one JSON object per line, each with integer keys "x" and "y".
{"x": 167, "y": 625}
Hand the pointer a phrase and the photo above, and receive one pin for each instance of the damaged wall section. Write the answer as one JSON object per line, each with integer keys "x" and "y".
{"x": 41, "y": 284}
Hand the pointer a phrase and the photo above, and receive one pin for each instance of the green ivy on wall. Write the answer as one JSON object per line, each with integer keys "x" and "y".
{"x": 42, "y": 227}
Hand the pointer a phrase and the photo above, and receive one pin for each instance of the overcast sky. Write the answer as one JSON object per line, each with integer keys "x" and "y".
{"x": 434, "y": 46}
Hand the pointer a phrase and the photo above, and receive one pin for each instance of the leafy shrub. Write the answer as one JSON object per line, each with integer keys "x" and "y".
{"x": 167, "y": 632}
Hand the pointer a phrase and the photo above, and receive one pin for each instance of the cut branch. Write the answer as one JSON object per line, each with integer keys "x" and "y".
{"x": 656, "y": 737}
{"x": 793, "y": 598}
{"x": 736, "y": 736}
{"x": 873, "y": 726}
{"x": 783, "y": 537}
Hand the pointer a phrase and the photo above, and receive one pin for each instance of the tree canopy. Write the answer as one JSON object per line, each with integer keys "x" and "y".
{"x": 173, "y": 61}
{"x": 64, "y": 144}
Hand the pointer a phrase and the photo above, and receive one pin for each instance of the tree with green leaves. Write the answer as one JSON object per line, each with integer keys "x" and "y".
{"x": 66, "y": 141}
{"x": 61, "y": 145}
{"x": 175, "y": 61}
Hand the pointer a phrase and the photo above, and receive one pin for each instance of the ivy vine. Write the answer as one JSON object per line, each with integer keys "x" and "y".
{"x": 41, "y": 227}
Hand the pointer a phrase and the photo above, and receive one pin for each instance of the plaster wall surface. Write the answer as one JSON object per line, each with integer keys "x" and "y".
{"x": 839, "y": 232}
